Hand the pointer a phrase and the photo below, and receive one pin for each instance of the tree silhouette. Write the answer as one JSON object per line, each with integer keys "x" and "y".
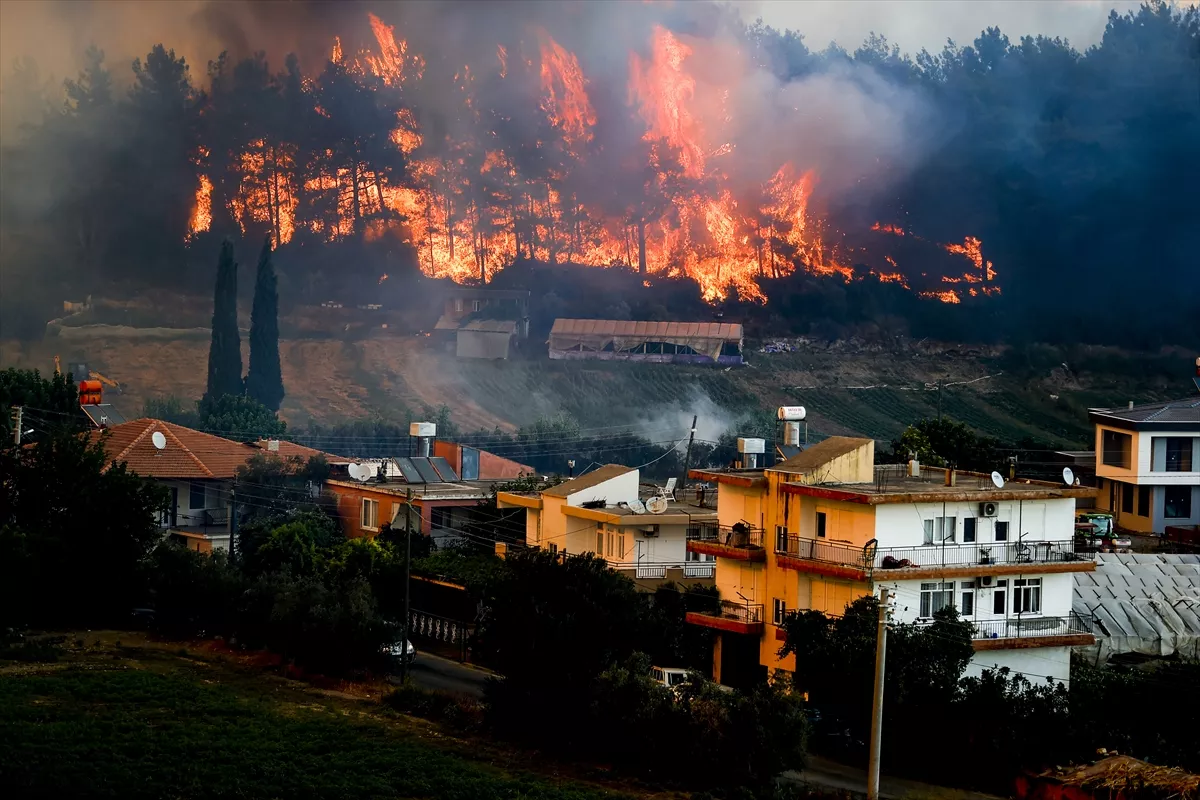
{"x": 225, "y": 352}
{"x": 264, "y": 381}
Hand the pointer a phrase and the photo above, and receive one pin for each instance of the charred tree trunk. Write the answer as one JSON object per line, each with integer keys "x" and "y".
{"x": 449, "y": 219}
{"x": 553, "y": 243}
{"x": 641, "y": 231}
{"x": 383, "y": 209}
{"x": 355, "y": 201}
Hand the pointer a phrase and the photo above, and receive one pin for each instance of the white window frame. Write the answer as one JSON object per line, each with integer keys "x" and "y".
{"x": 700, "y": 557}
{"x": 1027, "y": 596}
{"x": 935, "y": 530}
{"x": 967, "y": 595}
{"x": 369, "y": 521}
{"x": 931, "y": 592}
{"x": 778, "y": 611}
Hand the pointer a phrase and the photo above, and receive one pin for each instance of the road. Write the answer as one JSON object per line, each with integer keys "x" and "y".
{"x": 433, "y": 672}
{"x": 830, "y": 775}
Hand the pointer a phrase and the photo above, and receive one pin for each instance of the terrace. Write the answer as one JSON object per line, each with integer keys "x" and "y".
{"x": 731, "y": 617}
{"x": 992, "y": 558}
{"x": 1073, "y": 630}
{"x": 740, "y": 541}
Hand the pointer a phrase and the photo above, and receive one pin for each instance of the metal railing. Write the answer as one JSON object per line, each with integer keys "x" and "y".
{"x": 700, "y": 569}
{"x": 739, "y": 534}
{"x": 652, "y": 571}
{"x": 1028, "y": 625}
{"x": 929, "y": 555}
{"x": 982, "y": 554}
{"x": 742, "y": 612}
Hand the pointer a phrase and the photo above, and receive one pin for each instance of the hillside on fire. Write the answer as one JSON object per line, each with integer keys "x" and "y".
{"x": 996, "y": 191}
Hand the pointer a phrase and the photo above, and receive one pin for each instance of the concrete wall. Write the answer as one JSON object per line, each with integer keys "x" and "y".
{"x": 482, "y": 344}
{"x": 902, "y": 524}
{"x": 1033, "y": 663}
{"x": 621, "y": 489}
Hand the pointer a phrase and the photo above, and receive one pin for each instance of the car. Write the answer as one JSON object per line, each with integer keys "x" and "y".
{"x": 400, "y": 653}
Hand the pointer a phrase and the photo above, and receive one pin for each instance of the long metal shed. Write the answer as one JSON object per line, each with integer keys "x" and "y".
{"x": 632, "y": 340}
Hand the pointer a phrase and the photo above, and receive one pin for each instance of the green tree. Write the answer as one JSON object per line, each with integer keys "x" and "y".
{"x": 225, "y": 352}
{"x": 264, "y": 380}
{"x": 238, "y": 417}
{"x": 73, "y": 529}
{"x": 54, "y": 401}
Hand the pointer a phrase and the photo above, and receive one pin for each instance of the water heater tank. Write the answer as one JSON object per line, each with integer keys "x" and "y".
{"x": 422, "y": 429}
{"x": 791, "y": 434}
{"x": 791, "y": 413}
{"x": 751, "y": 446}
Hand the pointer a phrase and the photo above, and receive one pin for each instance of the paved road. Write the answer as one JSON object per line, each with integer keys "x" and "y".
{"x": 831, "y": 775}
{"x": 430, "y": 671}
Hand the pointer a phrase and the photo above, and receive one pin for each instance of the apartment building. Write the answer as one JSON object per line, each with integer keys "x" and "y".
{"x": 827, "y": 526}
{"x": 641, "y": 531}
{"x": 1148, "y": 464}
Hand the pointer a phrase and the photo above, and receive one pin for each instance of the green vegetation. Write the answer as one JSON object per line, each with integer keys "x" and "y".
{"x": 132, "y": 733}
{"x": 264, "y": 380}
{"x": 225, "y": 352}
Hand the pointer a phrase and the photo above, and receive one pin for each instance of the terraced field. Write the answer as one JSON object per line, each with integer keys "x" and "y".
{"x": 846, "y": 389}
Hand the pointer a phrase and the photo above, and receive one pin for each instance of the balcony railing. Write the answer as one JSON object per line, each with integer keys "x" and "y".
{"x": 1026, "y": 626}
{"x": 930, "y": 555}
{"x": 737, "y": 535}
{"x": 656, "y": 570}
{"x": 748, "y": 613}
{"x": 700, "y": 569}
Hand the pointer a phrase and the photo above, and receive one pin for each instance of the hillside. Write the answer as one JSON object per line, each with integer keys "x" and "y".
{"x": 847, "y": 386}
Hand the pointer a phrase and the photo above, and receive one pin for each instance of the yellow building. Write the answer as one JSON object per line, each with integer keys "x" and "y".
{"x": 1148, "y": 464}
{"x": 826, "y": 526}
{"x": 641, "y": 531}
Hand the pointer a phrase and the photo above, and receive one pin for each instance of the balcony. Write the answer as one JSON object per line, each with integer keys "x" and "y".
{"x": 739, "y": 541}
{"x": 995, "y": 558}
{"x": 1072, "y": 630}
{"x": 730, "y": 617}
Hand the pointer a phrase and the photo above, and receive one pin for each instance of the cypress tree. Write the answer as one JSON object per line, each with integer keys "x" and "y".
{"x": 225, "y": 352}
{"x": 264, "y": 380}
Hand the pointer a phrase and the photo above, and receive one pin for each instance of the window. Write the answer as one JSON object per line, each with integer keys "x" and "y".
{"x": 1177, "y": 502}
{"x": 780, "y": 539}
{"x": 820, "y": 524}
{"x": 939, "y": 530}
{"x": 999, "y": 598}
{"x": 967, "y": 606}
{"x": 1027, "y": 596}
{"x": 621, "y": 546}
{"x": 439, "y": 517}
{"x": 370, "y": 514}
{"x": 1117, "y": 449}
{"x": 196, "y": 496}
{"x": 1179, "y": 454}
{"x": 700, "y": 556}
{"x": 1127, "y": 498}
{"x": 600, "y": 541}
{"x": 779, "y": 611}
{"x": 1001, "y": 530}
{"x": 458, "y": 305}
{"x": 968, "y": 529}
{"x": 935, "y": 597}
{"x": 1144, "y": 501}
{"x": 475, "y": 305}
{"x": 553, "y": 549}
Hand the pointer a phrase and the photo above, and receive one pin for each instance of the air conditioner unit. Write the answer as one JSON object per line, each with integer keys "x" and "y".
{"x": 650, "y": 531}
{"x": 985, "y": 582}
{"x": 987, "y": 509}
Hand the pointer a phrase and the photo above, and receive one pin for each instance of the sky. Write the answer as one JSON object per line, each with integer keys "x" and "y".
{"x": 916, "y": 24}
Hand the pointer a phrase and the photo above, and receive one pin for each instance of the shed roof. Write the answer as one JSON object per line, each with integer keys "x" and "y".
{"x": 1186, "y": 410}
{"x": 821, "y": 453}
{"x": 491, "y": 326}
{"x": 593, "y": 478}
{"x": 290, "y": 449}
{"x": 725, "y": 331}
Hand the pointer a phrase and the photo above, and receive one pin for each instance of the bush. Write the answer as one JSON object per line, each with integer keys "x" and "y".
{"x": 458, "y": 712}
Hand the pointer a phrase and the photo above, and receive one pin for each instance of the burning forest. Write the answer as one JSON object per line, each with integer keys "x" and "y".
{"x": 470, "y": 198}
{"x": 957, "y": 194}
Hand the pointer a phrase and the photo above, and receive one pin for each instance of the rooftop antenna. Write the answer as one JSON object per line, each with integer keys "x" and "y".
{"x": 1068, "y": 476}
{"x": 998, "y": 480}
{"x": 160, "y": 441}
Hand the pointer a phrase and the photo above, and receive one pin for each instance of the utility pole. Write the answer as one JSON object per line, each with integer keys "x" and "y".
{"x": 687, "y": 459}
{"x": 407, "y": 585}
{"x": 18, "y": 417}
{"x": 877, "y": 706}
{"x": 233, "y": 549}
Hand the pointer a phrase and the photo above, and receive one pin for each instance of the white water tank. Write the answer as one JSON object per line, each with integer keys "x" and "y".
{"x": 752, "y": 446}
{"x": 422, "y": 430}
{"x": 791, "y": 413}
{"x": 791, "y": 434}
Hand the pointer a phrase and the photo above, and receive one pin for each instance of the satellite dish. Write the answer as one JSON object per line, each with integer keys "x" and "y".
{"x": 656, "y": 504}
{"x": 360, "y": 472}
{"x": 1068, "y": 476}
{"x": 998, "y": 480}
{"x": 160, "y": 441}
{"x": 637, "y": 507}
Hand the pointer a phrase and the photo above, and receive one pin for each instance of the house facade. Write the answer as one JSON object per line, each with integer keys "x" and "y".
{"x": 1148, "y": 464}
{"x": 605, "y": 512}
{"x": 825, "y": 527}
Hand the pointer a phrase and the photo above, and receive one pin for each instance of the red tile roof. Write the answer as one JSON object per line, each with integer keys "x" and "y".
{"x": 289, "y": 449}
{"x": 188, "y": 454}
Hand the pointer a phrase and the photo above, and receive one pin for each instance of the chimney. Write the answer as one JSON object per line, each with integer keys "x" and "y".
{"x": 914, "y": 468}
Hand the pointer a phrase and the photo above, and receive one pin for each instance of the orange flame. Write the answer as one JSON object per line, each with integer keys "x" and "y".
{"x": 946, "y": 296}
{"x": 566, "y": 103}
{"x": 895, "y": 230}
{"x": 502, "y": 54}
{"x": 664, "y": 90}
{"x": 201, "y": 218}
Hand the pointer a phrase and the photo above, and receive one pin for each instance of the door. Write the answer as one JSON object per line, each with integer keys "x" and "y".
{"x": 173, "y": 514}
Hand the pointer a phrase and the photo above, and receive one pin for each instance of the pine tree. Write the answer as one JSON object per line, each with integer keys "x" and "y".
{"x": 264, "y": 380}
{"x": 225, "y": 352}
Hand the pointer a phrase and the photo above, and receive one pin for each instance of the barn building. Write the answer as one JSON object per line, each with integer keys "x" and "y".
{"x": 656, "y": 342}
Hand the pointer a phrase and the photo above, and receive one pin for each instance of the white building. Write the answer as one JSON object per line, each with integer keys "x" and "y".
{"x": 609, "y": 513}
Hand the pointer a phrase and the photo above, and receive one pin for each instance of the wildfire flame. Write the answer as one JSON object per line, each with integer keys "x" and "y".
{"x": 469, "y": 212}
